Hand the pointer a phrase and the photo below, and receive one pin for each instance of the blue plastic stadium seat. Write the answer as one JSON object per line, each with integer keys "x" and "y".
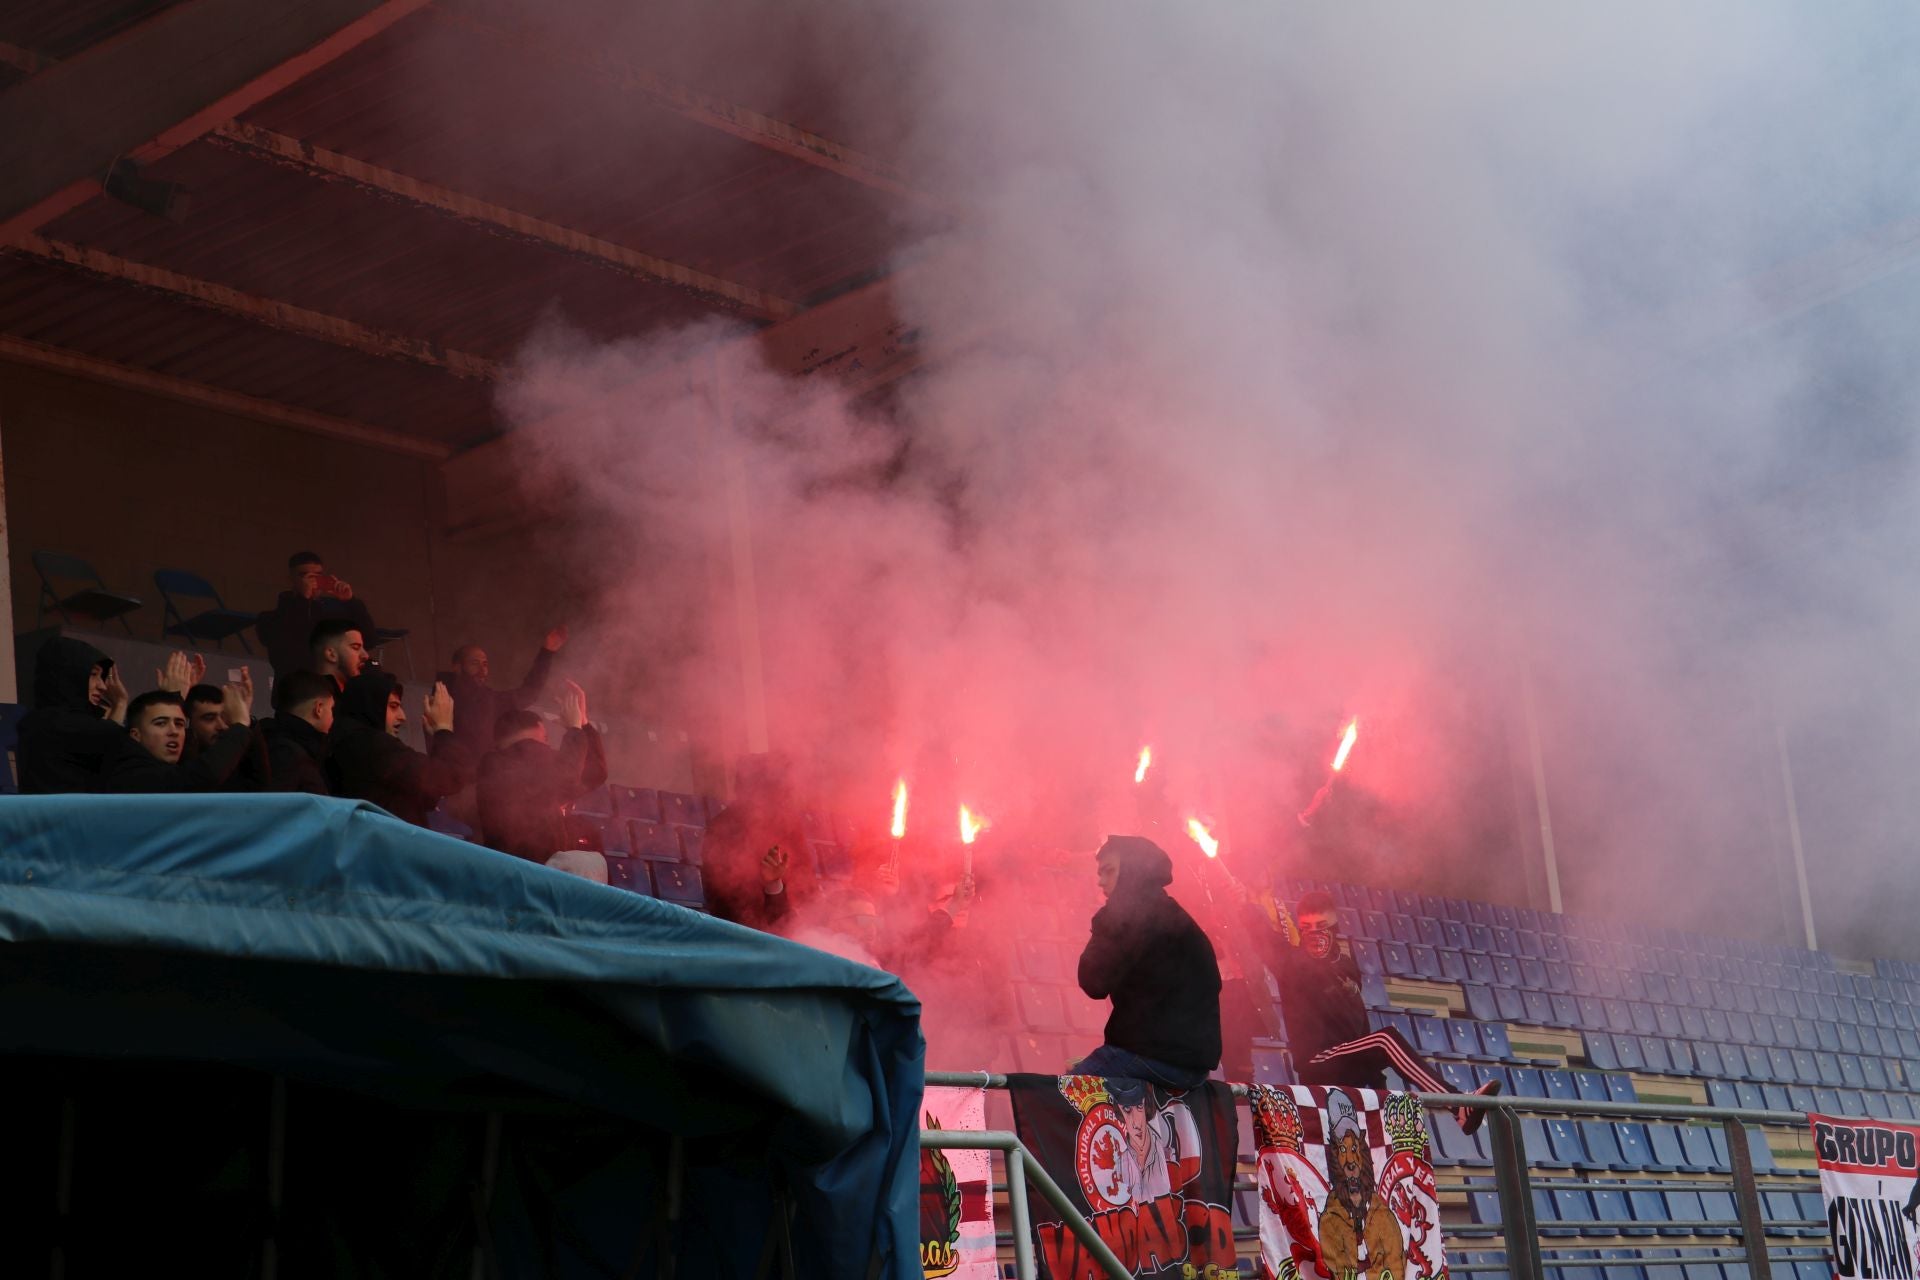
{"x": 1581, "y": 975}
{"x": 1718, "y": 1208}
{"x": 1539, "y": 1008}
{"x": 1591, "y": 1013}
{"x": 1452, "y": 1147}
{"x": 1664, "y": 1141}
{"x": 1453, "y": 967}
{"x": 1484, "y": 1207}
{"x": 1480, "y": 1002}
{"x": 1429, "y": 1035}
{"x": 1426, "y": 962}
{"x": 1508, "y": 1001}
{"x": 1650, "y": 1208}
{"x": 1506, "y": 971}
{"x": 1624, "y": 1265}
{"x": 682, "y": 810}
{"x": 1707, "y": 1061}
{"x": 597, "y": 803}
{"x": 1653, "y": 1052}
{"x": 1527, "y": 1082}
{"x": 678, "y": 883}
{"x": 1626, "y": 1049}
{"x": 1457, "y": 1076}
{"x": 630, "y": 874}
{"x": 1494, "y": 1041}
{"x": 1480, "y": 968}
{"x": 1668, "y": 1019}
{"x": 1563, "y": 1137}
{"x": 1750, "y": 1095}
{"x": 1600, "y": 1051}
{"x": 1480, "y": 937}
{"x": 1610, "y": 1205}
{"x": 1546, "y": 1213}
{"x": 1636, "y": 1151}
{"x": 1603, "y": 1146}
{"x": 635, "y": 802}
{"x": 1539, "y": 1144}
{"x": 1696, "y": 1143}
{"x": 1463, "y": 1037}
{"x": 1644, "y": 1021}
{"x": 1572, "y": 1204}
{"x": 1559, "y": 1084}
{"x": 1402, "y": 929}
{"x": 1373, "y": 990}
{"x": 1533, "y": 974}
{"x": 1396, "y": 961}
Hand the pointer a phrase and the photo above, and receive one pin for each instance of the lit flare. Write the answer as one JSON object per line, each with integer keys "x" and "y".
{"x": 1146, "y": 762}
{"x": 899, "y": 827}
{"x": 1347, "y": 739}
{"x": 1203, "y": 837}
{"x": 971, "y": 825}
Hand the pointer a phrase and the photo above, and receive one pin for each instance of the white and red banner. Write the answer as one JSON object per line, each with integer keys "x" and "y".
{"x": 956, "y": 1192}
{"x": 1346, "y": 1188}
{"x": 1870, "y": 1176}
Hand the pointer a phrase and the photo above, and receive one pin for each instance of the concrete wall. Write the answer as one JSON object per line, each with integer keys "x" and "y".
{"x": 135, "y": 483}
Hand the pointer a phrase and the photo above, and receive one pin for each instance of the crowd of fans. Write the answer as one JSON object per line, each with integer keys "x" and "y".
{"x": 489, "y": 761}
{"x": 335, "y": 728}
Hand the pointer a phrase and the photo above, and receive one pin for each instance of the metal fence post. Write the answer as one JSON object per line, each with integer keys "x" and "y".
{"x": 1746, "y": 1199}
{"x": 1517, "y": 1228}
{"x": 1016, "y": 1160}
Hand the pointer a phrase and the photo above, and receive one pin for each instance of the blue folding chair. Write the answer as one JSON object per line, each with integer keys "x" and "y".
{"x": 70, "y": 587}
{"x": 214, "y": 624}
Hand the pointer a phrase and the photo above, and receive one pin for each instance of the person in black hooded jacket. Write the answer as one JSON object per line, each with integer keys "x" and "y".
{"x": 367, "y": 761}
{"x": 1158, "y": 967}
{"x": 525, "y": 785}
{"x": 78, "y": 719}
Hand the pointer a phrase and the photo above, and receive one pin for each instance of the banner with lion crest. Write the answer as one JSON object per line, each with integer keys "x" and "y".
{"x": 956, "y": 1192}
{"x": 1346, "y": 1187}
{"x": 1150, "y": 1168}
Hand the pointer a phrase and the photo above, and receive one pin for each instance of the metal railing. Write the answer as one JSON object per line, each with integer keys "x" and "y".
{"x": 1511, "y": 1172}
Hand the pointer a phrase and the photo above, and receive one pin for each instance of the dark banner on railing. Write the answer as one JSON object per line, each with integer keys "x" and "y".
{"x": 1150, "y": 1168}
{"x": 1870, "y": 1175}
{"x": 1345, "y": 1184}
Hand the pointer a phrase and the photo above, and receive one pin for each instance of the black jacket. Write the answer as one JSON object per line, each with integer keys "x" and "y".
{"x": 133, "y": 769}
{"x": 1156, "y": 964}
{"x": 287, "y": 628}
{"x": 524, "y": 787}
{"x": 66, "y": 741}
{"x": 478, "y": 707}
{"x": 1320, "y": 1000}
{"x": 296, "y": 755}
{"x": 365, "y": 762}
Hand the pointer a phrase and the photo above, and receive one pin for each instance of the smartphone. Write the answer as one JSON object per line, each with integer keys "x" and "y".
{"x": 236, "y": 674}
{"x": 326, "y": 583}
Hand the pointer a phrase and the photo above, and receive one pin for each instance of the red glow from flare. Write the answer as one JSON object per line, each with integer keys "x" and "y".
{"x": 1351, "y": 736}
{"x": 1203, "y": 837}
{"x": 900, "y": 809}
{"x": 971, "y": 825}
{"x": 1146, "y": 762}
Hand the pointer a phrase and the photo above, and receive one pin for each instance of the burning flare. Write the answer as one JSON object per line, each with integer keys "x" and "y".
{"x": 1203, "y": 837}
{"x": 899, "y": 809}
{"x": 1146, "y": 762}
{"x": 1347, "y": 739}
{"x": 971, "y": 825}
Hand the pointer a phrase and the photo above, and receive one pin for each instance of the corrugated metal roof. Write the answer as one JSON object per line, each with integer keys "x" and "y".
{"x": 439, "y": 98}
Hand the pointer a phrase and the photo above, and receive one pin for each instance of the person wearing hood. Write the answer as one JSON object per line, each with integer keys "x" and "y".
{"x": 1157, "y": 966}
{"x": 480, "y": 704}
{"x": 367, "y": 761}
{"x": 296, "y": 735}
{"x": 149, "y": 760}
{"x": 316, "y": 596}
{"x": 525, "y": 785}
{"x": 78, "y": 719}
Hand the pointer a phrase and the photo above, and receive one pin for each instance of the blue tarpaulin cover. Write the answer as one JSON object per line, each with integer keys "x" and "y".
{"x": 329, "y": 944}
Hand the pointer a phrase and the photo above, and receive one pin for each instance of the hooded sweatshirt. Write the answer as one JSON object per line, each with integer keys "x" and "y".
{"x": 525, "y": 786}
{"x": 365, "y": 762}
{"x": 66, "y": 741}
{"x": 1155, "y": 963}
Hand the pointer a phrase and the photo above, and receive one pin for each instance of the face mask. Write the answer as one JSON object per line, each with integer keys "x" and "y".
{"x": 1318, "y": 943}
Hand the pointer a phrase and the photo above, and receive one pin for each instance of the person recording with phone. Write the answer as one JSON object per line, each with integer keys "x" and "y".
{"x": 316, "y": 596}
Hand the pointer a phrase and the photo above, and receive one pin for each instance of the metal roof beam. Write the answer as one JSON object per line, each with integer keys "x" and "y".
{"x": 271, "y": 312}
{"x": 763, "y": 131}
{"x": 41, "y": 356}
{"x": 252, "y": 140}
{"x": 159, "y": 85}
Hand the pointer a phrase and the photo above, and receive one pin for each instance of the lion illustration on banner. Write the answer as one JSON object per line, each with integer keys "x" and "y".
{"x": 1358, "y": 1232}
